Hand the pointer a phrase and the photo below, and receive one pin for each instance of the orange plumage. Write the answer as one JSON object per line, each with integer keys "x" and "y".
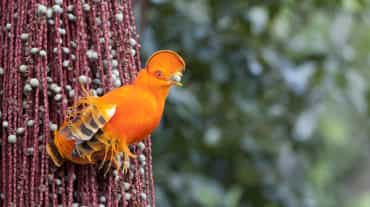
{"x": 99, "y": 128}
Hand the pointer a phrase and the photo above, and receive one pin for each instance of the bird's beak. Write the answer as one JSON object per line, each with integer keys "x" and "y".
{"x": 176, "y": 79}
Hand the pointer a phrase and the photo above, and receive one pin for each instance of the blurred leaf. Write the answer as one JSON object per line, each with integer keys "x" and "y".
{"x": 232, "y": 197}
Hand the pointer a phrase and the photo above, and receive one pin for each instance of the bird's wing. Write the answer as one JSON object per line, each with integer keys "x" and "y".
{"x": 86, "y": 120}
{"x": 86, "y": 149}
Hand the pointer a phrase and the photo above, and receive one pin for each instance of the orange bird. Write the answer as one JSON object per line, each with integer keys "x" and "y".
{"x": 101, "y": 128}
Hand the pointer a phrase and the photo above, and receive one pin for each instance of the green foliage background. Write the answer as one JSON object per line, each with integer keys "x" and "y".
{"x": 275, "y": 108}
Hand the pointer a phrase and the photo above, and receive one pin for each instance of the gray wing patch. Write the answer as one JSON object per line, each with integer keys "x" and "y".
{"x": 86, "y": 129}
{"x": 86, "y": 125}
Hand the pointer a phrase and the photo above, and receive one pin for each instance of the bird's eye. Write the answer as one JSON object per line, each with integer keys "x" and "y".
{"x": 158, "y": 73}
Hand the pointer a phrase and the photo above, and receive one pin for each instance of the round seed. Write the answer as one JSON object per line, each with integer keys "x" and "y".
{"x": 97, "y": 81}
{"x": 71, "y": 17}
{"x": 65, "y": 63}
{"x": 25, "y": 36}
{"x": 8, "y": 26}
{"x": 115, "y": 72}
{"x": 61, "y": 31}
{"x": 117, "y": 83}
{"x": 41, "y": 9}
{"x": 71, "y": 93}
{"x": 58, "y": 97}
{"x": 25, "y": 105}
{"x": 65, "y": 50}
{"x": 73, "y": 44}
{"x": 98, "y": 21}
{"x": 34, "y": 50}
{"x": 12, "y": 138}
{"x": 102, "y": 199}
{"x": 143, "y": 163}
{"x": 57, "y": 9}
{"x": 53, "y": 127}
{"x": 113, "y": 53}
{"x": 20, "y": 130}
{"x": 114, "y": 63}
{"x": 141, "y": 145}
{"x": 143, "y": 196}
{"x": 83, "y": 79}
{"x": 133, "y": 52}
{"x": 49, "y": 13}
{"x": 58, "y": 182}
{"x": 127, "y": 196}
{"x": 30, "y": 123}
{"x": 29, "y": 151}
{"x": 119, "y": 16}
{"x": 22, "y": 68}
{"x": 75, "y": 204}
{"x": 132, "y": 41}
{"x": 142, "y": 158}
{"x": 92, "y": 54}
{"x": 70, "y": 8}
{"x": 27, "y": 88}
{"x": 5, "y": 124}
{"x": 53, "y": 86}
{"x": 34, "y": 82}
{"x": 141, "y": 170}
{"x": 86, "y": 7}
{"x": 99, "y": 91}
{"x": 42, "y": 53}
{"x": 126, "y": 186}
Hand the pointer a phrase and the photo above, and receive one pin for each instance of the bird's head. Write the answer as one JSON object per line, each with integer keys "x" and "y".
{"x": 166, "y": 67}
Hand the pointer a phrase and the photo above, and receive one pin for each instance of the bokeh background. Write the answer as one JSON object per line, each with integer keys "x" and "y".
{"x": 275, "y": 107}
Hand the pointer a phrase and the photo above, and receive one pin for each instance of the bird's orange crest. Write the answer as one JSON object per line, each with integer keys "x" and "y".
{"x": 165, "y": 60}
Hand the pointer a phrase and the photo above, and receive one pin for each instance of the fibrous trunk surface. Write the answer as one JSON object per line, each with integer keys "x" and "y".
{"x": 46, "y": 49}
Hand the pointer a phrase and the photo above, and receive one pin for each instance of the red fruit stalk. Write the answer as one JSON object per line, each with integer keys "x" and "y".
{"x": 46, "y": 49}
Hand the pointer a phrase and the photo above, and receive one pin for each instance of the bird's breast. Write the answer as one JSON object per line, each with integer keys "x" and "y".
{"x": 138, "y": 112}
{"x": 135, "y": 124}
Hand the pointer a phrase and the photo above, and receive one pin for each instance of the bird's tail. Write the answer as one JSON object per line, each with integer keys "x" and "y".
{"x": 54, "y": 153}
